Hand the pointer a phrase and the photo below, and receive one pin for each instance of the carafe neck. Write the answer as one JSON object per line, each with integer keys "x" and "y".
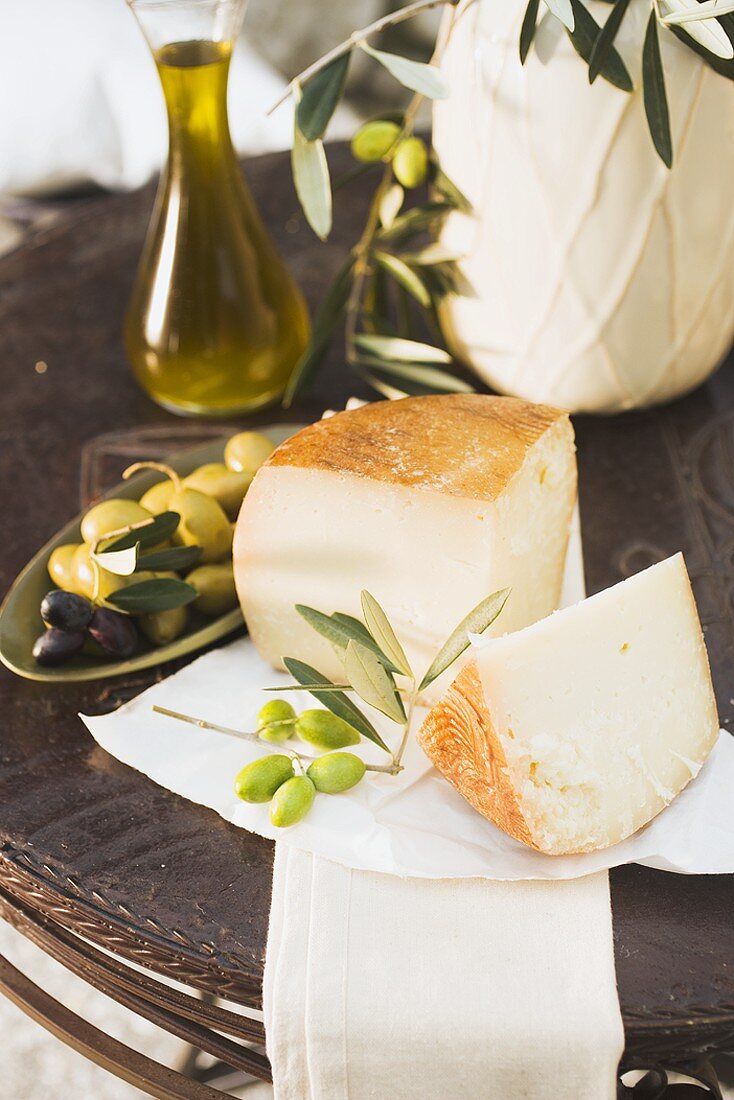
{"x": 194, "y": 79}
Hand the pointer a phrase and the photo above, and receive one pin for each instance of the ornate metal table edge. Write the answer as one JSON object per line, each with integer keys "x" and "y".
{"x": 67, "y": 928}
{"x": 97, "y": 945}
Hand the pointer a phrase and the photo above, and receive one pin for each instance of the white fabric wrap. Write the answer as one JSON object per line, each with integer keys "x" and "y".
{"x": 380, "y": 986}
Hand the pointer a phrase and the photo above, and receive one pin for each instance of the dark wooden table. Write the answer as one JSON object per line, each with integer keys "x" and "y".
{"x": 93, "y": 855}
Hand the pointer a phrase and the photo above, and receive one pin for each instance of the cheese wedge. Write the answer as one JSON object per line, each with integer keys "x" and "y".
{"x": 430, "y": 503}
{"x": 573, "y": 733}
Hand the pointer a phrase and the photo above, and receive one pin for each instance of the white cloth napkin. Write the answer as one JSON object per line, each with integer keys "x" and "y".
{"x": 424, "y": 989}
{"x": 377, "y": 987}
{"x": 83, "y": 101}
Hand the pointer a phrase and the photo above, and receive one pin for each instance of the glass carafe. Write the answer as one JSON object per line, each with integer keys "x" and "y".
{"x": 215, "y": 323}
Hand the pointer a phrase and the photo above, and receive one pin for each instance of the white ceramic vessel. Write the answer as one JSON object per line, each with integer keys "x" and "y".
{"x": 603, "y": 281}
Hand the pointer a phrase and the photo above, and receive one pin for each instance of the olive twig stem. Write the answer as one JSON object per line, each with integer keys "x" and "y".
{"x": 356, "y": 39}
{"x": 96, "y": 578}
{"x": 408, "y": 722}
{"x": 160, "y": 466}
{"x": 126, "y": 530}
{"x": 387, "y": 769}
{"x": 203, "y": 724}
{"x": 364, "y": 248}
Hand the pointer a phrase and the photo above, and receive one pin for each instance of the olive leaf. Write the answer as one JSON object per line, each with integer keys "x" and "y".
{"x": 372, "y": 683}
{"x": 528, "y": 29}
{"x": 604, "y": 41}
{"x": 328, "y": 316}
{"x": 376, "y": 313}
{"x": 379, "y": 628}
{"x": 176, "y": 558}
{"x": 404, "y": 275}
{"x": 390, "y": 204}
{"x": 476, "y": 622}
{"x": 339, "y": 632}
{"x": 334, "y": 700}
{"x": 695, "y": 11}
{"x": 432, "y": 254}
{"x": 562, "y": 10}
{"x": 448, "y": 278}
{"x": 122, "y": 563}
{"x": 148, "y": 533}
{"x": 388, "y": 391}
{"x": 448, "y": 189}
{"x": 698, "y": 21}
{"x": 433, "y": 379}
{"x": 723, "y": 67}
{"x": 419, "y": 77}
{"x": 420, "y": 219}
{"x": 360, "y": 633}
{"x": 313, "y": 186}
{"x": 320, "y": 98}
{"x": 584, "y": 37}
{"x": 656, "y": 100}
{"x": 314, "y": 689}
{"x": 395, "y": 347}
{"x": 159, "y": 594}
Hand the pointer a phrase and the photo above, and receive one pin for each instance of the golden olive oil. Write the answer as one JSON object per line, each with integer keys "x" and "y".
{"x": 215, "y": 324}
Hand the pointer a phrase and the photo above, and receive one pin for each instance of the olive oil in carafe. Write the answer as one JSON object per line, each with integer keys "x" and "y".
{"x": 215, "y": 324}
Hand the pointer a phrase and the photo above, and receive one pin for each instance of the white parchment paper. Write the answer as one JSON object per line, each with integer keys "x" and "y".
{"x": 414, "y": 824}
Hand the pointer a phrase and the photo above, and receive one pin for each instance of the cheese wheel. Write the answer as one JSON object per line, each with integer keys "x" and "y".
{"x": 430, "y": 503}
{"x": 575, "y": 732}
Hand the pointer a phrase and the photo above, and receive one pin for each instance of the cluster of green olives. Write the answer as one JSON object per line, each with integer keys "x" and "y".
{"x": 380, "y": 140}
{"x": 207, "y": 501}
{"x": 282, "y": 780}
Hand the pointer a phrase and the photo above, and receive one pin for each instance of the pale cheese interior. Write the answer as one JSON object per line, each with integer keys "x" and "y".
{"x": 317, "y": 537}
{"x": 604, "y": 710}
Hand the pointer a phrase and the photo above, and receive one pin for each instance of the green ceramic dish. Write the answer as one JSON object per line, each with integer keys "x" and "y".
{"x": 20, "y": 621}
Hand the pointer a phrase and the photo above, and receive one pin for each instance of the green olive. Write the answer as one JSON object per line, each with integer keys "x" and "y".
{"x": 83, "y": 576}
{"x": 61, "y": 566}
{"x": 246, "y": 452}
{"x": 215, "y": 585}
{"x": 158, "y": 497}
{"x": 111, "y": 515}
{"x": 203, "y": 523}
{"x": 325, "y": 730}
{"x": 258, "y": 781}
{"x": 276, "y": 721}
{"x": 374, "y": 140}
{"x": 336, "y": 772}
{"x": 292, "y": 801}
{"x": 410, "y": 163}
{"x": 162, "y": 627}
{"x": 225, "y": 485}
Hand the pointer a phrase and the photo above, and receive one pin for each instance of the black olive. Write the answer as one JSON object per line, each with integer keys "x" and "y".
{"x": 56, "y": 646}
{"x": 115, "y": 633}
{"x": 66, "y": 610}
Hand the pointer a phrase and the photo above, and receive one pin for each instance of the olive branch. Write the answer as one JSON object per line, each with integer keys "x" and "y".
{"x": 389, "y": 291}
{"x": 377, "y": 671}
{"x": 385, "y": 279}
{"x": 136, "y": 548}
{"x": 705, "y": 26}
{"x": 372, "y": 658}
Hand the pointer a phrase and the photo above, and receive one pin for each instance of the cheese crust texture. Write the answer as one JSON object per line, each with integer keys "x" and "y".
{"x": 430, "y": 503}
{"x": 575, "y": 732}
